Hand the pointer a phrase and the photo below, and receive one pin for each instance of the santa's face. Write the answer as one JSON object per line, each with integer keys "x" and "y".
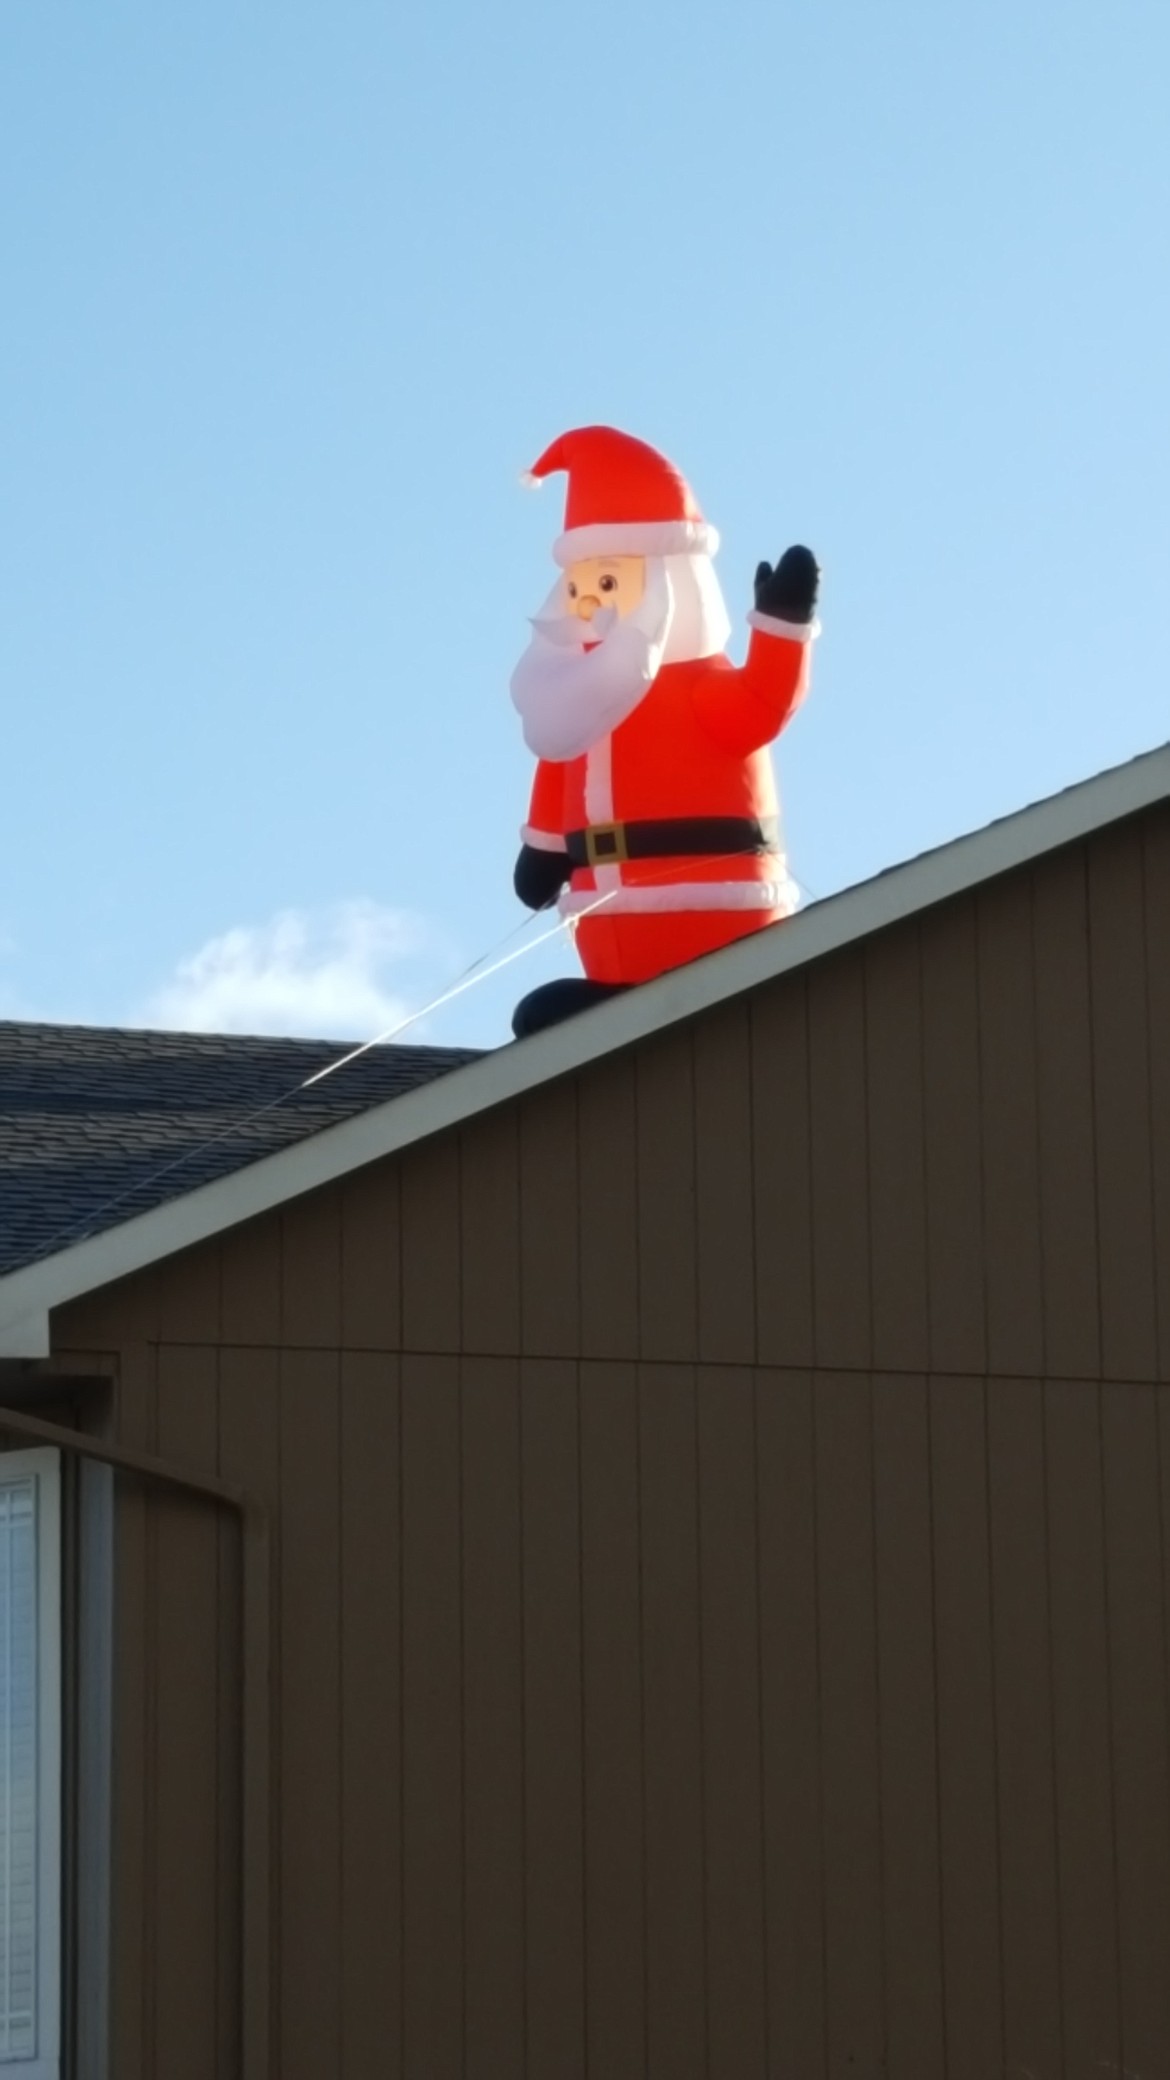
{"x": 604, "y": 581}
{"x": 594, "y": 654}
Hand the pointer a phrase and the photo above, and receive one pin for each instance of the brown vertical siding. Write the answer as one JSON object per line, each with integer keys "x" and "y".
{"x": 751, "y": 1721}
{"x": 790, "y": 1722}
{"x": 838, "y": 1119}
{"x": 250, "y": 1284}
{"x": 725, "y": 1229}
{"x": 613, "y": 1761}
{"x": 133, "y": 1678}
{"x": 311, "y": 1639}
{"x": 489, "y": 1210}
{"x": 723, "y": 1546}
{"x": 1010, "y": 1138}
{"x": 672, "y": 1709}
{"x": 371, "y": 1716}
{"x": 1030, "y": 1930}
{"x": 737, "y": 2009}
{"x": 371, "y": 1260}
{"x": 433, "y": 1975}
{"x": 972, "y": 1967}
{"x": 899, "y": 1273}
{"x": 607, "y": 1117}
{"x": 249, "y": 1452}
{"x": 550, "y": 1223}
{"x": 668, "y": 1315}
{"x": 229, "y": 1727}
{"x": 554, "y": 1796}
{"x": 781, "y": 1175}
{"x": 432, "y": 1270}
{"x": 907, "y": 1726}
{"x": 1134, "y": 1545}
{"x": 310, "y": 1259}
{"x": 956, "y": 1238}
{"x": 183, "y": 1779}
{"x": 851, "y": 1782}
{"x": 1157, "y": 965}
{"x": 1082, "y": 1734}
{"x": 493, "y": 1720}
{"x": 183, "y": 1298}
{"x": 1121, "y": 1079}
{"x": 1067, "y": 1141}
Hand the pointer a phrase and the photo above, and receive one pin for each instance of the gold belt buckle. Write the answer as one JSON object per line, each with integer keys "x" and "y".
{"x": 605, "y": 844}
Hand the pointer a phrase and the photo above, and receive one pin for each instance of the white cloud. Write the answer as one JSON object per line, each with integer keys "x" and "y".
{"x": 324, "y": 974}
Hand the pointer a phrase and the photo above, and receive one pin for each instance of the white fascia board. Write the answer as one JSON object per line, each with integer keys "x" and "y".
{"x": 26, "y": 1296}
{"x": 26, "y": 1338}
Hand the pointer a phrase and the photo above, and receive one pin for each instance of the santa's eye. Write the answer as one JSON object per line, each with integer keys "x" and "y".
{"x": 572, "y": 590}
{"x": 607, "y": 584}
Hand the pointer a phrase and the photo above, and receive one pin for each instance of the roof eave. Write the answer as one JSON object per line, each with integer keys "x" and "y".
{"x": 28, "y": 1296}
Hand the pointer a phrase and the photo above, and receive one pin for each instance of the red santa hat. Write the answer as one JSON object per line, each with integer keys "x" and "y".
{"x": 624, "y": 499}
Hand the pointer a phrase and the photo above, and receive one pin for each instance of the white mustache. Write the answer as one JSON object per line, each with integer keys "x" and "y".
{"x": 569, "y": 632}
{"x": 578, "y": 680}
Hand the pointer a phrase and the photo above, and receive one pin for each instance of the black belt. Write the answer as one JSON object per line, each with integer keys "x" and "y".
{"x": 672, "y": 837}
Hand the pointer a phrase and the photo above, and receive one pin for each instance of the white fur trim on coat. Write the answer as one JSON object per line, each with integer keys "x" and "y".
{"x": 636, "y": 538}
{"x": 599, "y": 781}
{"x": 796, "y": 631}
{"x": 780, "y": 895}
{"x": 541, "y": 841}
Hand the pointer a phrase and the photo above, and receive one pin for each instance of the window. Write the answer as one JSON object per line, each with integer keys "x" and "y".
{"x": 30, "y": 1764}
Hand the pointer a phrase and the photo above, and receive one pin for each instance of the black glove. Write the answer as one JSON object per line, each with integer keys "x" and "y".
{"x": 540, "y": 875}
{"x": 789, "y": 592}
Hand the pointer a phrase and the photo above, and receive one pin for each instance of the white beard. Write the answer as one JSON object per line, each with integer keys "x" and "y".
{"x": 578, "y": 680}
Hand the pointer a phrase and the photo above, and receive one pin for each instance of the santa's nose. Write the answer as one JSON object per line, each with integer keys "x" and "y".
{"x": 587, "y": 606}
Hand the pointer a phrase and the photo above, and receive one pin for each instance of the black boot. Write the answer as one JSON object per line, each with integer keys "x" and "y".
{"x": 553, "y": 1001}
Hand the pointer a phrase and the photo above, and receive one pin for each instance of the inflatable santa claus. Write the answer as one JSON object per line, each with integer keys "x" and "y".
{"x": 653, "y": 817}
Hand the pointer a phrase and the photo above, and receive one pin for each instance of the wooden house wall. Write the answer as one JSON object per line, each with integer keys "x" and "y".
{"x": 723, "y": 1509}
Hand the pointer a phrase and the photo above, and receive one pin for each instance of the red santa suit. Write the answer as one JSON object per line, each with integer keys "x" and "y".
{"x": 670, "y": 816}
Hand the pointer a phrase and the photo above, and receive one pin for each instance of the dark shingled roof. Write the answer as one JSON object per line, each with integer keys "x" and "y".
{"x": 99, "y": 1124}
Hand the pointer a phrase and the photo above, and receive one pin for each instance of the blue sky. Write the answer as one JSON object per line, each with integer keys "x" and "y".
{"x": 288, "y": 299}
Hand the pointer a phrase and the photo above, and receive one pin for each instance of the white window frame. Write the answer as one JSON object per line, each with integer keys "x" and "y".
{"x": 44, "y": 1467}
